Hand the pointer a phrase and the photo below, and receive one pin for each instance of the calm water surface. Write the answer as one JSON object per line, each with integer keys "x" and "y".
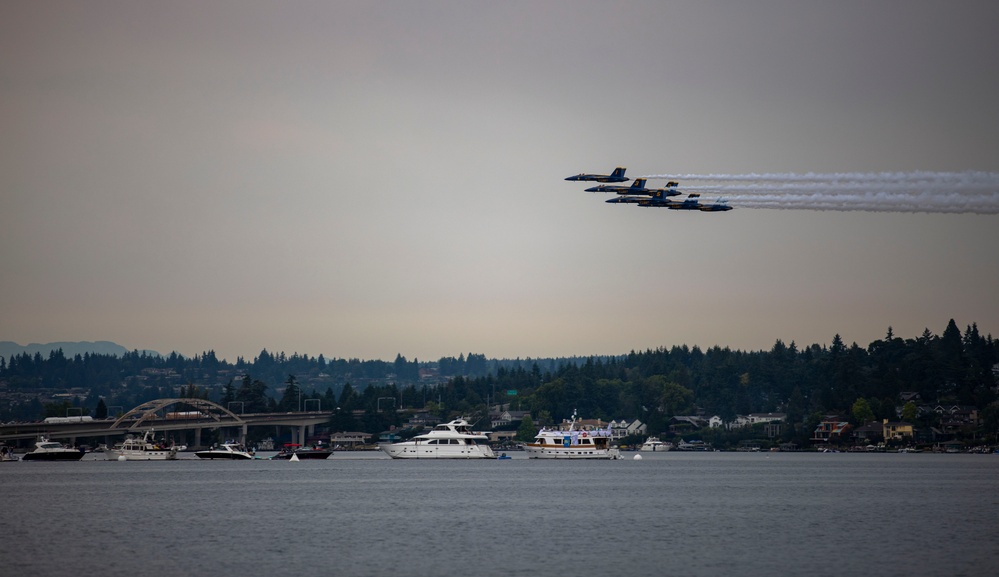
{"x": 747, "y": 514}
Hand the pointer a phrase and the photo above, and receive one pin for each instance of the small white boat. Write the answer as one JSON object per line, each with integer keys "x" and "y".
{"x": 228, "y": 450}
{"x": 7, "y": 454}
{"x": 46, "y": 450}
{"x": 654, "y": 445}
{"x": 572, "y": 442}
{"x": 144, "y": 449}
{"x": 454, "y": 440}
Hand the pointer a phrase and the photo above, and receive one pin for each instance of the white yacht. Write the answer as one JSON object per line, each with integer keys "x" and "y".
{"x": 454, "y": 440}
{"x": 46, "y": 450}
{"x": 692, "y": 446}
{"x": 228, "y": 450}
{"x": 572, "y": 442}
{"x": 655, "y": 445}
{"x": 144, "y": 449}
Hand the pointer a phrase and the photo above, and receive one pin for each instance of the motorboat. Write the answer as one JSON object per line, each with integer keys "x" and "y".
{"x": 7, "y": 454}
{"x": 295, "y": 450}
{"x": 229, "y": 450}
{"x": 572, "y": 442}
{"x": 46, "y": 450}
{"x": 692, "y": 446}
{"x": 145, "y": 449}
{"x": 452, "y": 440}
{"x": 654, "y": 445}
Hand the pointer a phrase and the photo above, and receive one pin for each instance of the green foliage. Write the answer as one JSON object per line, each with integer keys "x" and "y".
{"x": 861, "y": 412}
{"x": 526, "y": 430}
{"x": 650, "y": 385}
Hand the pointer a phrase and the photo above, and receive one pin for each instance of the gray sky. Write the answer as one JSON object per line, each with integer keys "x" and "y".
{"x": 361, "y": 179}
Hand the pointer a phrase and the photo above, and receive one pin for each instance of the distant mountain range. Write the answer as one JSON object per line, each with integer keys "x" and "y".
{"x": 9, "y": 349}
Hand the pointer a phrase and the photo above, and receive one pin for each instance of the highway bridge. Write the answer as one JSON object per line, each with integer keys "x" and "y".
{"x": 197, "y": 415}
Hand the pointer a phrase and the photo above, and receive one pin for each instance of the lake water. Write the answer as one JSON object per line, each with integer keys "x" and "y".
{"x": 689, "y": 514}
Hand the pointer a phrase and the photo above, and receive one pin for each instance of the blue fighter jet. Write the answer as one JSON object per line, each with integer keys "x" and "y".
{"x": 616, "y": 176}
{"x": 719, "y": 206}
{"x": 689, "y": 203}
{"x": 637, "y": 187}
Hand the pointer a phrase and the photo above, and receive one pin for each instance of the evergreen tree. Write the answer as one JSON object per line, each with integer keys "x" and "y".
{"x": 526, "y": 431}
{"x": 291, "y": 400}
{"x": 101, "y": 412}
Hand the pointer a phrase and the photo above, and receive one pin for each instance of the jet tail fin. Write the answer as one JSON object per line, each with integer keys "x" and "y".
{"x": 618, "y": 172}
{"x": 639, "y": 183}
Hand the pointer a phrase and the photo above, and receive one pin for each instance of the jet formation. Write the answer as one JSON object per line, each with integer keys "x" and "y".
{"x": 637, "y": 193}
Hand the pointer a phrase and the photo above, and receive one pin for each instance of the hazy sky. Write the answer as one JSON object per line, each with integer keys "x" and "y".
{"x": 363, "y": 179}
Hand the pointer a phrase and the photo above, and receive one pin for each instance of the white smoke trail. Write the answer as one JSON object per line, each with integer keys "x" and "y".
{"x": 940, "y": 192}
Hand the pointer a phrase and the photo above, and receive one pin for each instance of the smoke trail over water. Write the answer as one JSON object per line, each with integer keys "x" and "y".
{"x": 939, "y": 192}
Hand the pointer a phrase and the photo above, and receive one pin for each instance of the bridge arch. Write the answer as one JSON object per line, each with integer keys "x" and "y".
{"x": 149, "y": 410}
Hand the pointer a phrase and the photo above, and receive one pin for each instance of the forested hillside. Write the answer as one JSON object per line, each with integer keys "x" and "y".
{"x": 955, "y": 367}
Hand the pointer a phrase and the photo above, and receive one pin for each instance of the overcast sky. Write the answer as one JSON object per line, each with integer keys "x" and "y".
{"x": 366, "y": 179}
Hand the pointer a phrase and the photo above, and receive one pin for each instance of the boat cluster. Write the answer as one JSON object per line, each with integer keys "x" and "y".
{"x": 457, "y": 440}
{"x": 148, "y": 448}
{"x": 452, "y": 440}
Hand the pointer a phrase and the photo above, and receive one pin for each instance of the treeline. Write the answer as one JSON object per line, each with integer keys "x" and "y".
{"x": 954, "y": 367}
{"x": 104, "y": 372}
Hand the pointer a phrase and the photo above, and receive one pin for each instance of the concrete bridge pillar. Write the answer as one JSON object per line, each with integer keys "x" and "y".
{"x": 197, "y": 438}
{"x": 242, "y": 438}
{"x": 301, "y": 435}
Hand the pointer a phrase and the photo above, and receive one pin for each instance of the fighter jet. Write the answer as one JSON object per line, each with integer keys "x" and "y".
{"x": 637, "y": 187}
{"x": 689, "y": 203}
{"x": 721, "y": 205}
{"x": 668, "y": 190}
{"x": 659, "y": 197}
{"x": 616, "y": 176}
{"x": 627, "y": 200}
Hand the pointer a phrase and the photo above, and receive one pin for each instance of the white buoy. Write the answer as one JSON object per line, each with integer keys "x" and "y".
{"x": 637, "y": 457}
{"x": 294, "y": 458}
{"x": 122, "y": 458}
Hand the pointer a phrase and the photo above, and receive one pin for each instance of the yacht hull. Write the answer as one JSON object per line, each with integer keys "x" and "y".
{"x": 412, "y": 451}
{"x": 573, "y": 453}
{"x": 222, "y": 455}
{"x": 53, "y": 456}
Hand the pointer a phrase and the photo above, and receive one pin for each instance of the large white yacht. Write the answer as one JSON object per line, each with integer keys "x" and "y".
{"x": 653, "y": 444}
{"x": 454, "y": 440}
{"x": 145, "y": 449}
{"x": 572, "y": 442}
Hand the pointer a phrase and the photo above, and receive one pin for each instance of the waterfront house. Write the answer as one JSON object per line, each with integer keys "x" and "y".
{"x": 624, "y": 428}
{"x": 767, "y": 418}
{"x": 506, "y": 418}
{"x": 896, "y": 430}
{"x": 831, "y": 431}
{"x": 870, "y": 434}
{"x": 348, "y": 440}
{"x": 680, "y": 424}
